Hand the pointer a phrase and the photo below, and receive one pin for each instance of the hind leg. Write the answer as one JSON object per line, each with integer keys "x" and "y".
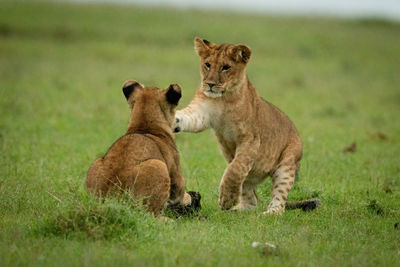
{"x": 248, "y": 198}
{"x": 97, "y": 182}
{"x": 282, "y": 182}
{"x": 152, "y": 185}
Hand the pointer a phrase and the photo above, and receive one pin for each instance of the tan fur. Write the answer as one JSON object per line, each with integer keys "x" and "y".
{"x": 256, "y": 138}
{"x": 145, "y": 160}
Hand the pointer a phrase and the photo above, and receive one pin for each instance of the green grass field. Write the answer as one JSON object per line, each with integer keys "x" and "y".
{"x": 61, "y": 106}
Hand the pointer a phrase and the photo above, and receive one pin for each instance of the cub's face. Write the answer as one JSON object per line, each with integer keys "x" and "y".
{"x": 152, "y": 102}
{"x": 222, "y": 66}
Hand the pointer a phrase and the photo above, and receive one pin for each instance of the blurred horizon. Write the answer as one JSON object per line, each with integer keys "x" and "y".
{"x": 384, "y": 9}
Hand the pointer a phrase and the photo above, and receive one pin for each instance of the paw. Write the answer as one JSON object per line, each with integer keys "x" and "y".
{"x": 227, "y": 201}
{"x": 275, "y": 209}
{"x": 228, "y": 197}
{"x": 186, "y": 200}
{"x": 180, "y": 209}
{"x": 243, "y": 207}
{"x": 177, "y": 125}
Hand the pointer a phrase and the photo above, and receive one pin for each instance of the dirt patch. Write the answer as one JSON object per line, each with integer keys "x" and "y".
{"x": 351, "y": 148}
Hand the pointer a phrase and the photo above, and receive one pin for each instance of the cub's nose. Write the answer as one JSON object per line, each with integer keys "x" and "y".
{"x": 211, "y": 85}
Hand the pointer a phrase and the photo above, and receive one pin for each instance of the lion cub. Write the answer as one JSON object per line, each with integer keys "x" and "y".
{"x": 144, "y": 160}
{"x": 256, "y": 138}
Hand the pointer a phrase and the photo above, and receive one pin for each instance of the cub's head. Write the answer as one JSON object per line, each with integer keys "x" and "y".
{"x": 150, "y": 104}
{"x": 222, "y": 66}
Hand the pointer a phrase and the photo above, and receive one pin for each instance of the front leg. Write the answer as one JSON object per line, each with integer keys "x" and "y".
{"x": 236, "y": 172}
{"x": 193, "y": 118}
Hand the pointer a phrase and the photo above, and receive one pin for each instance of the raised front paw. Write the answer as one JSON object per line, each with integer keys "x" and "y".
{"x": 177, "y": 125}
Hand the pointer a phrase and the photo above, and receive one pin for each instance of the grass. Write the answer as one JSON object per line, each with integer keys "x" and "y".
{"x": 61, "y": 106}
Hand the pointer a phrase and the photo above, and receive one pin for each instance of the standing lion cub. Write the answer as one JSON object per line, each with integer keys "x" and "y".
{"x": 145, "y": 160}
{"x": 256, "y": 138}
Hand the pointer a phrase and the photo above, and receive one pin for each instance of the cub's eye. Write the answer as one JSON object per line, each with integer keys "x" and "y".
{"x": 208, "y": 65}
{"x": 226, "y": 67}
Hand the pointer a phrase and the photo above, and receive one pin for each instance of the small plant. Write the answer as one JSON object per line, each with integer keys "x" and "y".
{"x": 87, "y": 217}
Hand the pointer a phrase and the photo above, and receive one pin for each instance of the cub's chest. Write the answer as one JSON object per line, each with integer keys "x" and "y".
{"x": 225, "y": 128}
{"x": 228, "y": 134}
{"x": 225, "y": 122}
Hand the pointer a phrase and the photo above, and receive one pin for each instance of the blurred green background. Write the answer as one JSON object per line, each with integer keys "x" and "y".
{"x": 61, "y": 106}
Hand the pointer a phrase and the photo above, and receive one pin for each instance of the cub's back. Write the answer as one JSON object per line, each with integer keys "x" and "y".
{"x": 277, "y": 130}
{"x": 121, "y": 164}
{"x": 276, "y": 118}
{"x": 129, "y": 151}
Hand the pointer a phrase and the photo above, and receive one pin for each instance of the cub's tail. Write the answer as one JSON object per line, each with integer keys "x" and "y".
{"x": 305, "y": 205}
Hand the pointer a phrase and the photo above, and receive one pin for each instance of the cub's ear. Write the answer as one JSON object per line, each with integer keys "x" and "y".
{"x": 240, "y": 53}
{"x": 129, "y": 87}
{"x": 202, "y": 46}
{"x": 173, "y": 94}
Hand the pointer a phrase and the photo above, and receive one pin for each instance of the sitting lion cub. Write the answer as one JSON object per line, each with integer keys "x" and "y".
{"x": 145, "y": 160}
{"x": 256, "y": 138}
